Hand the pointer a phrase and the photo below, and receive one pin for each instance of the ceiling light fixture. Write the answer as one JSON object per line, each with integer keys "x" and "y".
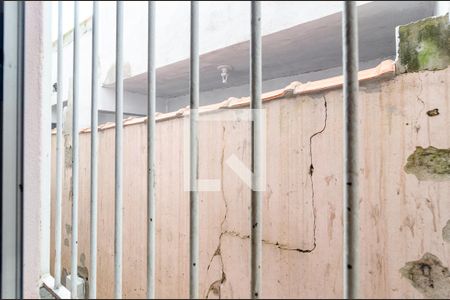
{"x": 224, "y": 72}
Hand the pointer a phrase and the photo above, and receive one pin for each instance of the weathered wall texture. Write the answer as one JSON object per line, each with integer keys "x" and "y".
{"x": 404, "y": 209}
{"x": 36, "y": 146}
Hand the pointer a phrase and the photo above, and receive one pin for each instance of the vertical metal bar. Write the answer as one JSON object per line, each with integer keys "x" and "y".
{"x": 351, "y": 164}
{"x": 75, "y": 151}
{"x": 11, "y": 282}
{"x": 94, "y": 151}
{"x": 118, "y": 155}
{"x": 151, "y": 137}
{"x": 256, "y": 105}
{"x": 59, "y": 149}
{"x": 19, "y": 168}
{"x": 193, "y": 194}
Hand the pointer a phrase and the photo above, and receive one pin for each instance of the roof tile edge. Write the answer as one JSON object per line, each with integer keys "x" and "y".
{"x": 386, "y": 69}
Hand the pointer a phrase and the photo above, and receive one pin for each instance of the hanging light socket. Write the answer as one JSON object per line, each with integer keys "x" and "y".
{"x": 224, "y": 72}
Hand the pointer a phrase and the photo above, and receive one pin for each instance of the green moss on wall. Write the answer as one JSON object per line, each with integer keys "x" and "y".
{"x": 429, "y": 164}
{"x": 429, "y": 276}
{"x": 424, "y": 45}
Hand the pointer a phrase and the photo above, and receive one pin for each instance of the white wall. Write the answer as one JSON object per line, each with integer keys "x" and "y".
{"x": 442, "y": 8}
{"x": 85, "y": 78}
{"x": 133, "y": 102}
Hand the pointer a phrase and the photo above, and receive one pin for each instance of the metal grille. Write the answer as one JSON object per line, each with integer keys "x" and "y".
{"x": 350, "y": 63}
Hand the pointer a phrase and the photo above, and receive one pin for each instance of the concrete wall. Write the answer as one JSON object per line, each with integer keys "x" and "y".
{"x": 404, "y": 205}
{"x": 37, "y": 141}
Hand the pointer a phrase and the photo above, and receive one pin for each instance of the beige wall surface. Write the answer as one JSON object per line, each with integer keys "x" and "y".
{"x": 402, "y": 217}
{"x": 36, "y": 145}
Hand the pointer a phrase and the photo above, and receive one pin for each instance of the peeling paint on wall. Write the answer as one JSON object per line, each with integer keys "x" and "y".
{"x": 64, "y": 276}
{"x": 446, "y": 232}
{"x": 83, "y": 272}
{"x": 433, "y": 112}
{"x": 68, "y": 229}
{"x": 429, "y": 164}
{"x": 428, "y": 276}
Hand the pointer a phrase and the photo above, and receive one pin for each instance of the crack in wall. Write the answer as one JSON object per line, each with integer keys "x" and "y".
{"x": 417, "y": 125}
{"x": 216, "y": 285}
{"x": 236, "y": 234}
{"x": 266, "y": 242}
{"x": 311, "y": 172}
{"x": 287, "y": 248}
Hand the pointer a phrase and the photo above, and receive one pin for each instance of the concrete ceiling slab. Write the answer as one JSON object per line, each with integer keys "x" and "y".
{"x": 308, "y": 47}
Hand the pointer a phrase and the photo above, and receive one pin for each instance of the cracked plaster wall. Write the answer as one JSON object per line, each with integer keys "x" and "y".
{"x": 402, "y": 217}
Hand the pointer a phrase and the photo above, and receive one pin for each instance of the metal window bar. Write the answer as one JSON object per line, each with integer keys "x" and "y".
{"x": 94, "y": 154}
{"x": 75, "y": 151}
{"x": 118, "y": 230}
{"x": 151, "y": 137}
{"x": 193, "y": 194}
{"x": 12, "y": 145}
{"x": 351, "y": 196}
{"x": 59, "y": 148}
{"x": 256, "y": 132}
{"x": 351, "y": 155}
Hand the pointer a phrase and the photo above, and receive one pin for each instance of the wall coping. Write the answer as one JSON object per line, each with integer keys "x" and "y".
{"x": 386, "y": 69}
